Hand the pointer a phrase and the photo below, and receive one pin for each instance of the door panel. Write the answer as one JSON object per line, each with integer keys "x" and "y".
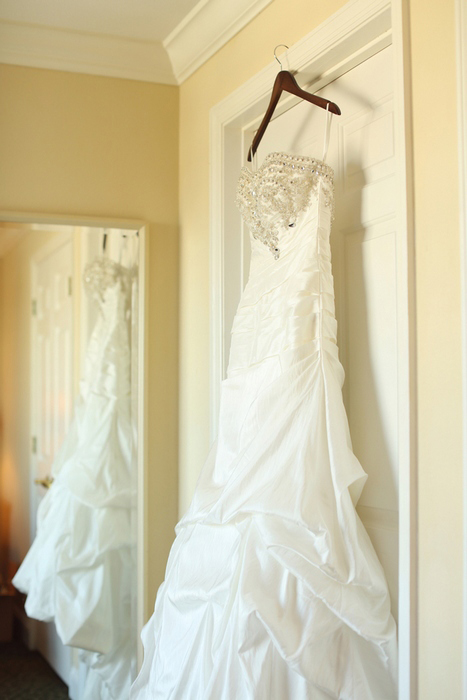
{"x": 53, "y": 362}
{"x": 52, "y": 398}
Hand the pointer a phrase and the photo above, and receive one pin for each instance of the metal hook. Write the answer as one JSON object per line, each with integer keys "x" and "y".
{"x": 276, "y": 56}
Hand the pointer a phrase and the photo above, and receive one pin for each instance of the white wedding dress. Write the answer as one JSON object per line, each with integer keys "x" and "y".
{"x": 79, "y": 570}
{"x": 273, "y": 590}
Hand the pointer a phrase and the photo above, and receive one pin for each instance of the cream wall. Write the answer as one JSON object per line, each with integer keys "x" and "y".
{"x": 439, "y": 348}
{"x": 103, "y": 147}
{"x": 437, "y": 289}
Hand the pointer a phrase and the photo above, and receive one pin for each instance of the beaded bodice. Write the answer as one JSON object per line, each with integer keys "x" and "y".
{"x": 271, "y": 198}
{"x": 107, "y": 364}
{"x": 103, "y": 273}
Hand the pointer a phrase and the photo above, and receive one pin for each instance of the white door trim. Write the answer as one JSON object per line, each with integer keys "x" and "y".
{"x": 357, "y": 31}
{"x": 461, "y": 59}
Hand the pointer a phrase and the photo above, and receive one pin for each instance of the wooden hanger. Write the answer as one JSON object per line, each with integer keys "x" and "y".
{"x": 286, "y": 81}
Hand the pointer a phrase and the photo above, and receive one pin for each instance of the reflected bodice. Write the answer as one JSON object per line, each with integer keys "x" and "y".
{"x": 103, "y": 274}
{"x": 107, "y": 362}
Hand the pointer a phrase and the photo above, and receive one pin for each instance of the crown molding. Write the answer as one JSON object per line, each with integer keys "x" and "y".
{"x": 81, "y": 52}
{"x": 204, "y": 30}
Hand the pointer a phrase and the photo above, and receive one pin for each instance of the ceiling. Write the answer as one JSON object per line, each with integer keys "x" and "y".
{"x": 162, "y": 41}
{"x": 150, "y": 20}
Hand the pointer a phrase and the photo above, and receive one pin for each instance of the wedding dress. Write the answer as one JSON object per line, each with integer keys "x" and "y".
{"x": 273, "y": 590}
{"x": 79, "y": 570}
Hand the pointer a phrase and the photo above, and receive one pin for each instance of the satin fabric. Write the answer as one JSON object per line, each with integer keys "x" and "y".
{"x": 273, "y": 590}
{"x": 79, "y": 571}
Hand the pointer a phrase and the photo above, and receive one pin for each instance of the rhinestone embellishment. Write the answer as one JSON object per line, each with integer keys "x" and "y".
{"x": 271, "y": 198}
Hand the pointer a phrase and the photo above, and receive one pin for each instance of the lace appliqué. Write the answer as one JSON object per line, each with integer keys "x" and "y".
{"x": 271, "y": 198}
{"x": 102, "y": 273}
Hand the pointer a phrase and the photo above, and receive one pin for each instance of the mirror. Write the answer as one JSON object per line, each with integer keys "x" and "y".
{"x": 71, "y": 333}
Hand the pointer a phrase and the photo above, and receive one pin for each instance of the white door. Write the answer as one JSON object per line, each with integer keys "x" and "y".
{"x": 52, "y": 395}
{"x": 363, "y": 244}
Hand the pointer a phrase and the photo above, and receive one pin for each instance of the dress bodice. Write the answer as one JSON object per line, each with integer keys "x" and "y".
{"x": 288, "y": 300}
{"x": 272, "y": 197}
{"x": 107, "y": 361}
{"x": 102, "y": 274}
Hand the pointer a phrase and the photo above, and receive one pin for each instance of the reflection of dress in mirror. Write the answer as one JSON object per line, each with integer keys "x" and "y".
{"x": 78, "y": 571}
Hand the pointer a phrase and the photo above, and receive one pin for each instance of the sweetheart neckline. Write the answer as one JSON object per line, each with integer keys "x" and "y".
{"x": 289, "y": 157}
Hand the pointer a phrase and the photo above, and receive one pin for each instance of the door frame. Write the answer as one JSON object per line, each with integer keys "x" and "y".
{"x": 41, "y": 221}
{"x": 461, "y": 60}
{"x": 345, "y": 39}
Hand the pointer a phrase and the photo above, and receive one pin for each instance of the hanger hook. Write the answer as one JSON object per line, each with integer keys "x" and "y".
{"x": 276, "y": 56}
